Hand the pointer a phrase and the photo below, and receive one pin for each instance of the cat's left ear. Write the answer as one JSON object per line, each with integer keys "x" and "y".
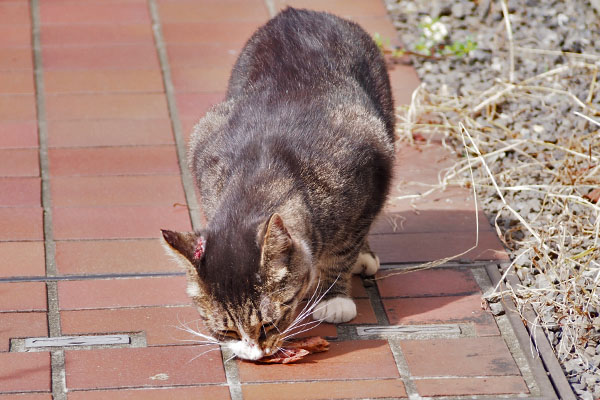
{"x": 186, "y": 247}
{"x": 276, "y": 247}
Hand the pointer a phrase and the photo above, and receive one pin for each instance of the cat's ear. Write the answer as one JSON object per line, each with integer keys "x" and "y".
{"x": 186, "y": 247}
{"x": 276, "y": 247}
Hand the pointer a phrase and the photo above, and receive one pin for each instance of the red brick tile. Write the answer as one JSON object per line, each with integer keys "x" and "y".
{"x": 22, "y": 259}
{"x": 80, "y": 81}
{"x": 17, "y": 107}
{"x": 12, "y": 58}
{"x": 120, "y": 56}
{"x": 20, "y": 82}
{"x": 21, "y": 223}
{"x": 113, "y": 257}
{"x": 14, "y": 13}
{"x": 116, "y": 190}
{"x": 142, "y": 367}
{"x": 212, "y": 10}
{"x": 117, "y": 222}
{"x": 113, "y": 161}
{"x": 412, "y": 159}
{"x": 96, "y": 34}
{"x": 363, "y": 359}
{"x": 487, "y": 356}
{"x": 21, "y": 325}
{"x": 160, "y": 324}
{"x": 451, "y": 200}
{"x": 18, "y": 134}
{"x": 195, "y": 105}
{"x": 19, "y": 162}
{"x": 107, "y": 132}
{"x": 365, "y": 313}
{"x": 107, "y": 106}
{"x": 358, "y": 289}
{"x": 201, "y": 79}
{"x": 189, "y": 393}
{"x": 15, "y": 35}
{"x": 436, "y": 310}
{"x": 389, "y": 388}
{"x": 203, "y": 54}
{"x": 24, "y": 192}
{"x": 24, "y": 372}
{"x": 339, "y": 7}
{"x": 77, "y": 12}
{"x": 432, "y": 282}
{"x": 404, "y": 81}
{"x": 419, "y": 247}
{"x": 22, "y": 296}
{"x": 471, "y": 386}
{"x": 234, "y": 33}
{"x": 116, "y": 293}
{"x": 26, "y": 396}
{"x": 430, "y": 220}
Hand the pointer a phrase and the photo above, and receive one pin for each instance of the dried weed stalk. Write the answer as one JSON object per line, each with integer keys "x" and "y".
{"x": 534, "y": 187}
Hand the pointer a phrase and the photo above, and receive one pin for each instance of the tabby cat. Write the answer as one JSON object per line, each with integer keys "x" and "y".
{"x": 292, "y": 169}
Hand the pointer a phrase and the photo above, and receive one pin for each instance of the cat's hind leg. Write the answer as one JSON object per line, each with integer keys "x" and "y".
{"x": 367, "y": 262}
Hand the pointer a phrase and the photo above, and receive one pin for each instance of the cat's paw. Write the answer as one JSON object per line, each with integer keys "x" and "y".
{"x": 335, "y": 310}
{"x": 366, "y": 264}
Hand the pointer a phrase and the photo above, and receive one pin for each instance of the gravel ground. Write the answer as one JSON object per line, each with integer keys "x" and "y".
{"x": 544, "y": 157}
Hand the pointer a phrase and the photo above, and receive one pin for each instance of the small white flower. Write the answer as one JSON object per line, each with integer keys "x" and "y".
{"x": 426, "y": 20}
{"x": 427, "y": 33}
{"x": 438, "y": 37}
{"x": 562, "y": 19}
{"x": 440, "y": 28}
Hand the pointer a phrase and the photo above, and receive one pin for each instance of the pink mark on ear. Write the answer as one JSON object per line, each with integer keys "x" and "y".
{"x": 199, "y": 248}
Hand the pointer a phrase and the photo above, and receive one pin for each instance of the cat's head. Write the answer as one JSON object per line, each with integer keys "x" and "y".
{"x": 246, "y": 283}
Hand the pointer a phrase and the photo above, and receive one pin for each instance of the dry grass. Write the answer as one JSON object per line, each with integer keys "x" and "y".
{"x": 536, "y": 191}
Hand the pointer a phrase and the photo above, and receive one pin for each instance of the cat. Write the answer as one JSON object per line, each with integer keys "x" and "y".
{"x": 292, "y": 167}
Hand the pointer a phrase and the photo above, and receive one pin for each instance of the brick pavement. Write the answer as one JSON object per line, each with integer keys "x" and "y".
{"x": 97, "y": 99}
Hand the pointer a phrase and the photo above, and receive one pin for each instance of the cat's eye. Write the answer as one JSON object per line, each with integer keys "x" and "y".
{"x": 266, "y": 328}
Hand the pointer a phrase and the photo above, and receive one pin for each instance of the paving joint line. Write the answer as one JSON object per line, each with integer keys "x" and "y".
{"x": 180, "y": 146}
{"x": 230, "y": 367}
{"x": 270, "y": 4}
{"x": 382, "y": 319}
{"x": 57, "y": 356}
{"x": 59, "y": 278}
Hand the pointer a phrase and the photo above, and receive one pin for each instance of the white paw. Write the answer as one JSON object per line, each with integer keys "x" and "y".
{"x": 336, "y": 310}
{"x": 366, "y": 264}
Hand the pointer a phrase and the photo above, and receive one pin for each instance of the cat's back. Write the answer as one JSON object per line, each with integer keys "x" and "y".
{"x": 309, "y": 96}
{"x": 302, "y": 55}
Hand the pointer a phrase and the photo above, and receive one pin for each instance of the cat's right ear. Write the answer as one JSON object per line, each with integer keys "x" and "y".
{"x": 186, "y": 247}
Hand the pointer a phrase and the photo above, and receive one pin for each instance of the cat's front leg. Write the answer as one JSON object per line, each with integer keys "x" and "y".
{"x": 337, "y": 306}
{"x": 335, "y": 310}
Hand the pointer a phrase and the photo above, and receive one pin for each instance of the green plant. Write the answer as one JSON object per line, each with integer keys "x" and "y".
{"x": 432, "y": 42}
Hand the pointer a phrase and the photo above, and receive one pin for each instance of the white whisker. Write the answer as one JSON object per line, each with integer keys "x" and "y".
{"x": 310, "y": 309}
{"x": 291, "y": 335}
{"x": 229, "y": 359}
{"x": 203, "y": 353}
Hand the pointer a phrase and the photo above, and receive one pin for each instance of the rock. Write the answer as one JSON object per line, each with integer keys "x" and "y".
{"x": 496, "y": 308}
